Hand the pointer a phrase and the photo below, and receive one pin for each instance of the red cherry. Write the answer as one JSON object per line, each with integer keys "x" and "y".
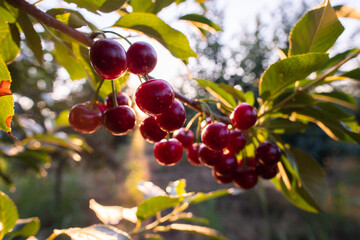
{"x": 222, "y": 179}
{"x": 151, "y": 131}
{"x": 168, "y": 152}
{"x": 237, "y": 141}
{"x": 108, "y": 58}
{"x": 119, "y": 120}
{"x": 154, "y": 96}
{"x": 267, "y": 172}
{"x": 268, "y": 153}
{"x": 227, "y": 164}
{"x": 185, "y": 137}
{"x": 244, "y": 116}
{"x": 193, "y": 154}
{"x": 122, "y": 99}
{"x": 141, "y": 58}
{"x": 101, "y": 106}
{"x": 205, "y": 122}
{"x": 245, "y": 178}
{"x": 84, "y": 118}
{"x": 172, "y": 118}
{"x": 250, "y": 162}
{"x": 215, "y": 136}
{"x": 209, "y": 157}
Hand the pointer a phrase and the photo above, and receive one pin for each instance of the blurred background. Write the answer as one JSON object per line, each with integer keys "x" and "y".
{"x": 60, "y": 171}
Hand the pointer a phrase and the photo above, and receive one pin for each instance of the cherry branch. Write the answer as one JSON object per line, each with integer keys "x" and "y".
{"x": 86, "y": 40}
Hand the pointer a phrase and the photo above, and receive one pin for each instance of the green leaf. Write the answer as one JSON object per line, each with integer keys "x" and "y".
{"x": 66, "y": 58}
{"x": 90, "y": 5}
{"x": 6, "y": 98}
{"x": 150, "y": 6}
{"x": 353, "y": 74}
{"x": 95, "y": 232}
{"x": 151, "y": 236}
{"x": 204, "y": 231}
{"x": 6, "y": 16}
{"x": 236, "y": 93}
{"x": 337, "y": 97}
{"x": 8, "y": 214}
{"x": 154, "y": 27}
{"x": 312, "y": 177}
{"x": 62, "y": 119}
{"x": 67, "y": 16}
{"x": 113, "y": 215}
{"x": 26, "y": 227}
{"x": 33, "y": 159}
{"x": 112, "y": 5}
{"x": 288, "y": 71}
{"x": 317, "y": 31}
{"x": 31, "y": 36}
{"x": 202, "y": 197}
{"x": 337, "y": 58}
{"x": 151, "y": 206}
{"x": 9, "y": 42}
{"x": 346, "y": 11}
{"x": 201, "y": 21}
{"x": 218, "y": 92}
{"x": 282, "y": 126}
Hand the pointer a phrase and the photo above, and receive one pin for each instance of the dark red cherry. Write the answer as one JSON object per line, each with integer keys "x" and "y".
{"x": 215, "y": 136}
{"x": 168, "y": 152}
{"x": 209, "y": 157}
{"x": 227, "y": 164}
{"x": 101, "y": 106}
{"x": 193, "y": 154}
{"x": 108, "y": 58}
{"x": 122, "y": 99}
{"x": 185, "y": 137}
{"x": 245, "y": 178}
{"x": 250, "y": 162}
{"x": 267, "y": 172}
{"x": 222, "y": 179}
{"x": 119, "y": 120}
{"x": 172, "y": 118}
{"x": 244, "y": 116}
{"x": 151, "y": 131}
{"x": 237, "y": 141}
{"x": 141, "y": 58}
{"x": 154, "y": 96}
{"x": 268, "y": 153}
{"x": 84, "y": 118}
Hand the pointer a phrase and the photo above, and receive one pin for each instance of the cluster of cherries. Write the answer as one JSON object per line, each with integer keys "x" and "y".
{"x": 156, "y": 97}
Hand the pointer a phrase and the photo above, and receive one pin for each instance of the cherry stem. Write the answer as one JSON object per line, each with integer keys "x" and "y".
{"x": 230, "y": 109}
{"x": 140, "y": 79}
{"x": 117, "y": 34}
{"x": 146, "y": 77}
{"x": 114, "y": 92}
{"x": 192, "y": 120}
{"x": 208, "y": 109}
{"x": 96, "y": 94}
{"x": 198, "y": 129}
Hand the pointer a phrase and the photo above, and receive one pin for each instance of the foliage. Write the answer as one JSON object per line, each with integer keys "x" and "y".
{"x": 289, "y": 101}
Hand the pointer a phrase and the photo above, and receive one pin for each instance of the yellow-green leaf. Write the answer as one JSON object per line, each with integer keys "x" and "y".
{"x": 8, "y": 214}
{"x": 9, "y": 41}
{"x": 6, "y": 98}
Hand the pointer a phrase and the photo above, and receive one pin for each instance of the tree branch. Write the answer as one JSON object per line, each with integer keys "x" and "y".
{"x": 86, "y": 40}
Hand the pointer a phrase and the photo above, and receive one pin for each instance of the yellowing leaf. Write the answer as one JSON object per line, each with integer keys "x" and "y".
{"x": 6, "y": 98}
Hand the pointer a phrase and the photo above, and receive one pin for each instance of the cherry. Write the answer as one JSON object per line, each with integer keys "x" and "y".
{"x": 268, "y": 153}
{"x": 119, "y": 120}
{"x": 154, "y": 96}
{"x": 215, "y": 136}
{"x": 151, "y": 131}
{"x": 168, "y": 152}
{"x": 101, "y": 106}
{"x": 245, "y": 178}
{"x": 185, "y": 137}
{"x": 236, "y": 142}
{"x": 250, "y": 162}
{"x": 108, "y": 58}
{"x": 193, "y": 154}
{"x": 85, "y": 118}
{"x": 244, "y": 116}
{"x": 141, "y": 58}
{"x": 227, "y": 164}
{"x": 172, "y": 118}
{"x": 122, "y": 99}
{"x": 222, "y": 179}
{"x": 209, "y": 157}
{"x": 267, "y": 172}
{"x": 205, "y": 122}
